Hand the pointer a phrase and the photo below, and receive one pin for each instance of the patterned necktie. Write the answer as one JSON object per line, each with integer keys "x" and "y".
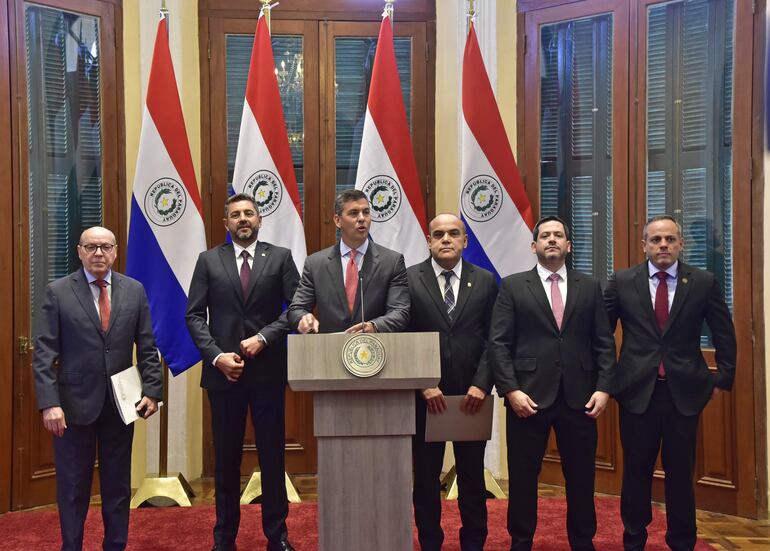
{"x": 661, "y": 311}
{"x": 557, "y": 304}
{"x": 351, "y": 280}
{"x": 104, "y": 303}
{"x": 245, "y": 272}
{"x": 449, "y": 294}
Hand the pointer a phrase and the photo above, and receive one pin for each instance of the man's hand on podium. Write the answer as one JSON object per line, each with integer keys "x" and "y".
{"x": 308, "y": 324}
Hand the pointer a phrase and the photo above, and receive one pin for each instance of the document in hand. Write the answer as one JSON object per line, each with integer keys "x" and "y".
{"x": 127, "y": 390}
{"x": 455, "y": 425}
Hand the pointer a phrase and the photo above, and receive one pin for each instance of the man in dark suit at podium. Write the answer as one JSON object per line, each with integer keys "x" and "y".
{"x": 663, "y": 382}
{"x": 553, "y": 358}
{"x": 84, "y": 333}
{"x": 235, "y": 316}
{"x": 335, "y": 279}
{"x": 455, "y": 298}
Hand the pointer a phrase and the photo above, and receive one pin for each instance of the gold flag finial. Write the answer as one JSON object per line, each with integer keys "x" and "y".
{"x": 389, "y": 9}
{"x": 266, "y": 8}
{"x": 469, "y": 16}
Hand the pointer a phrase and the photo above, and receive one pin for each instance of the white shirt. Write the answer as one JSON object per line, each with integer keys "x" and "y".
{"x": 457, "y": 273}
{"x": 545, "y": 273}
{"x": 251, "y": 249}
{"x": 95, "y": 289}
{"x": 345, "y": 255}
{"x": 670, "y": 281}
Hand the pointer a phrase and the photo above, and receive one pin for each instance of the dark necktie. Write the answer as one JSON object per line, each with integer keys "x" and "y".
{"x": 449, "y": 294}
{"x": 104, "y": 303}
{"x": 661, "y": 310}
{"x": 351, "y": 280}
{"x": 245, "y": 273}
{"x": 557, "y": 303}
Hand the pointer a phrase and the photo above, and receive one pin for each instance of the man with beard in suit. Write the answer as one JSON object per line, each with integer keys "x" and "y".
{"x": 235, "y": 315}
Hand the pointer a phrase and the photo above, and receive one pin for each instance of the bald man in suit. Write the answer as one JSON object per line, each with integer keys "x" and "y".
{"x": 663, "y": 382}
{"x": 85, "y": 332}
{"x": 334, "y": 279}
{"x": 455, "y": 298}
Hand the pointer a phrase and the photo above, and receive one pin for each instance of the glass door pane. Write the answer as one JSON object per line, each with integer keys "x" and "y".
{"x": 576, "y": 136}
{"x": 689, "y": 129}
{"x": 288, "y": 55}
{"x": 64, "y": 119}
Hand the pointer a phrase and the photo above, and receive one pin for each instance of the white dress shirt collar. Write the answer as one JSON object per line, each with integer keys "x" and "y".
{"x": 544, "y": 273}
{"x": 671, "y": 270}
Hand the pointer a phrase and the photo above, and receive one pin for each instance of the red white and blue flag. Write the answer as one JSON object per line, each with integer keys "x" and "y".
{"x": 263, "y": 165}
{"x": 166, "y": 234}
{"x": 493, "y": 202}
{"x": 387, "y": 171}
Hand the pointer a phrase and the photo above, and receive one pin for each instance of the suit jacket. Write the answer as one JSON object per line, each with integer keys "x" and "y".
{"x": 219, "y": 318}
{"x": 386, "y": 296}
{"x": 463, "y": 339}
{"x": 74, "y": 359}
{"x": 530, "y": 353}
{"x": 698, "y": 298}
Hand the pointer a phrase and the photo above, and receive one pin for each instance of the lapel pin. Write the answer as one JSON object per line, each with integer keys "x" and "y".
{"x": 263, "y": 254}
{"x": 685, "y": 280}
{"x": 469, "y": 284}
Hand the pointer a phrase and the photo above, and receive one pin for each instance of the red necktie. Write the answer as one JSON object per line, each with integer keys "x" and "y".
{"x": 245, "y": 272}
{"x": 557, "y": 304}
{"x": 351, "y": 280}
{"x": 661, "y": 310}
{"x": 104, "y": 303}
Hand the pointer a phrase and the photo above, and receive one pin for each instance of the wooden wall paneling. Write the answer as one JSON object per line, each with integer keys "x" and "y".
{"x": 7, "y": 337}
{"x": 758, "y": 127}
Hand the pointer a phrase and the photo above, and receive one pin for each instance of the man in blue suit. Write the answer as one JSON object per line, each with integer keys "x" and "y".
{"x": 85, "y": 332}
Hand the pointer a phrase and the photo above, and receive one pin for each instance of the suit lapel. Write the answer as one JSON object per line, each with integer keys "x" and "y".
{"x": 464, "y": 290}
{"x": 536, "y": 288}
{"x": 682, "y": 288}
{"x": 573, "y": 293}
{"x": 642, "y": 281}
{"x": 261, "y": 257}
{"x": 227, "y": 257}
{"x": 80, "y": 287}
{"x": 428, "y": 278}
{"x": 116, "y": 299}
{"x": 334, "y": 267}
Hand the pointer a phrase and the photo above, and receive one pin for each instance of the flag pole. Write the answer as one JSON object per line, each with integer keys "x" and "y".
{"x": 174, "y": 486}
{"x": 450, "y": 479}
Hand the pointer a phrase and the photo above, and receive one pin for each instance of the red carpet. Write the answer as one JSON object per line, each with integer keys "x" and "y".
{"x": 166, "y": 529}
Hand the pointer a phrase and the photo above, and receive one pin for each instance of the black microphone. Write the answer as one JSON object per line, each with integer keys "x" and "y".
{"x": 361, "y": 288}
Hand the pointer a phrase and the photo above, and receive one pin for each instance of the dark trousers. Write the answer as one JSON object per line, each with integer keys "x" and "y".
{"x": 74, "y": 454}
{"x": 527, "y": 438}
{"x": 228, "y": 425}
{"x": 642, "y": 436}
{"x": 426, "y": 496}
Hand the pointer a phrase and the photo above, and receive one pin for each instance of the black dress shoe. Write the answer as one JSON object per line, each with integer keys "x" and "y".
{"x": 282, "y": 545}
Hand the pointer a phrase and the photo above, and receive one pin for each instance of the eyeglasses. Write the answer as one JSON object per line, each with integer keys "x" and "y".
{"x": 91, "y": 248}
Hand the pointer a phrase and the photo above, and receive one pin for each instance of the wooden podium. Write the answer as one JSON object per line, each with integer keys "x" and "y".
{"x": 364, "y": 428}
